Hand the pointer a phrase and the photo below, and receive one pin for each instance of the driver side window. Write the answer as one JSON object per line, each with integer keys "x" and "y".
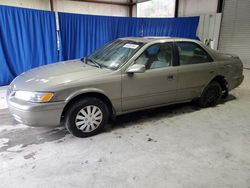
{"x": 156, "y": 56}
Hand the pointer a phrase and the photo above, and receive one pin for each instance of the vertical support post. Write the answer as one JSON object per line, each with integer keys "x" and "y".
{"x": 176, "y": 9}
{"x": 58, "y": 37}
{"x": 130, "y": 6}
{"x": 220, "y": 6}
{"x": 51, "y": 5}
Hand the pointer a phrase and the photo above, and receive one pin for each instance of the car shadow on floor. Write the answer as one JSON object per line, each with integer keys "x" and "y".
{"x": 29, "y": 135}
{"x": 157, "y": 113}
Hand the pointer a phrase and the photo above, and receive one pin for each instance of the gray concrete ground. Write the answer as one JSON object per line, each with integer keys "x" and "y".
{"x": 175, "y": 146}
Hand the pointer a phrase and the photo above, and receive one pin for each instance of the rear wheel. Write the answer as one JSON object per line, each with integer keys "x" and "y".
{"x": 211, "y": 95}
{"x": 86, "y": 117}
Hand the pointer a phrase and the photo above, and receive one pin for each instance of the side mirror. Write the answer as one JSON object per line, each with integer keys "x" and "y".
{"x": 136, "y": 68}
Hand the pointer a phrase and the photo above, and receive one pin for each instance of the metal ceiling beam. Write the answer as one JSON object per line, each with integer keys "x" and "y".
{"x": 130, "y": 4}
{"x": 107, "y": 2}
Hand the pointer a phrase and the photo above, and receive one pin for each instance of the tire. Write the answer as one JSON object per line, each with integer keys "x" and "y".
{"x": 86, "y": 117}
{"x": 211, "y": 95}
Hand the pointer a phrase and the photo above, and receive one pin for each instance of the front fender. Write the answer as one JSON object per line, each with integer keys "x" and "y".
{"x": 84, "y": 91}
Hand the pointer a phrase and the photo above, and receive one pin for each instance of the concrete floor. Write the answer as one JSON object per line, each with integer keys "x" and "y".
{"x": 176, "y": 146}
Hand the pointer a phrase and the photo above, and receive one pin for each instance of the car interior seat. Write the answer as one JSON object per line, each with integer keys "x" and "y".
{"x": 163, "y": 59}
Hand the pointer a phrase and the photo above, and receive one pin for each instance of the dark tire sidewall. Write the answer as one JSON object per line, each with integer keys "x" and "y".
{"x": 203, "y": 99}
{"x": 76, "y": 107}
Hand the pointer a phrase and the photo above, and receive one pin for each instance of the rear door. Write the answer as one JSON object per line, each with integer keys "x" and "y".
{"x": 195, "y": 70}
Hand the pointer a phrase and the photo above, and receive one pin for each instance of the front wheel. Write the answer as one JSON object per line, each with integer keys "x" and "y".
{"x": 86, "y": 117}
{"x": 211, "y": 95}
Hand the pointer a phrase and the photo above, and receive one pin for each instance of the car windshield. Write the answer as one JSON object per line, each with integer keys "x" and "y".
{"x": 114, "y": 54}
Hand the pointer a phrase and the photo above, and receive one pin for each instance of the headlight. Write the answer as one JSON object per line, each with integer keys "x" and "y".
{"x": 34, "y": 96}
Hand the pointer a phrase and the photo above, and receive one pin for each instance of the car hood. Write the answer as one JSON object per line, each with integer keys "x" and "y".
{"x": 51, "y": 76}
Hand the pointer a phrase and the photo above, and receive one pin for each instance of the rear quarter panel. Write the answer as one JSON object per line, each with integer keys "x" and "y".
{"x": 231, "y": 69}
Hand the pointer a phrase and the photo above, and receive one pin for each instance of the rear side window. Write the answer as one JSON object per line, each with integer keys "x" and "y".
{"x": 191, "y": 53}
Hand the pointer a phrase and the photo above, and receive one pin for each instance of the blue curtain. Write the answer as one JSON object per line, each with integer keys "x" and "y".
{"x": 184, "y": 27}
{"x": 28, "y": 37}
{"x": 126, "y": 27}
{"x": 82, "y": 34}
{"x": 27, "y": 40}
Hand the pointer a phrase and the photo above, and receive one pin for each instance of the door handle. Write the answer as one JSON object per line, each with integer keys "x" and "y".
{"x": 170, "y": 77}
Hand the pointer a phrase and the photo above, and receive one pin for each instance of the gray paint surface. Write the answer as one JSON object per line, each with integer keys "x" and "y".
{"x": 126, "y": 92}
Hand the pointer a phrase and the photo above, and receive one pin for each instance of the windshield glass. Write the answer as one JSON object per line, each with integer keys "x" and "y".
{"x": 114, "y": 54}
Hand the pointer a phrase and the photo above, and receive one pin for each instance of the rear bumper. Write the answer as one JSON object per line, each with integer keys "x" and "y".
{"x": 235, "y": 82}
{"x": 36, "y": 114}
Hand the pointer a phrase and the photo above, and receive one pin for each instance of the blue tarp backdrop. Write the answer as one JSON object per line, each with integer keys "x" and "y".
{"x": 28, "y": 37}
{"x": 82, "y": 34}
{"x": 27, "y": 40}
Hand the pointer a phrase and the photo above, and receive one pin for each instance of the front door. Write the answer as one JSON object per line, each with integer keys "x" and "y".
{"x": 157, "y": 85}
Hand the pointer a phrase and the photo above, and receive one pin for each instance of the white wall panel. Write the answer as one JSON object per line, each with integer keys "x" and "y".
{"x": 235, "y": 29}
{"x": 90, "y": 8}
{"x": 209, "y": 29}
{"x": 197, "y": 7}
{"x": 34, "y": 4}
{"x": 72, "y": 6}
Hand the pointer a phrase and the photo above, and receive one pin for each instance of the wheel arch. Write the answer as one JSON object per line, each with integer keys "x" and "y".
{"x": 71, "y": 100}
{"x": 222, "y": 81}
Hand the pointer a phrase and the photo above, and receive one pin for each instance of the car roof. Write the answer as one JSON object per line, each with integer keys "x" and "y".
{"x": 152, "y": 40}
{"x": 156, "y": 39}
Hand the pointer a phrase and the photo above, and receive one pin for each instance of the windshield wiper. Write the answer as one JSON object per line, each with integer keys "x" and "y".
{"x": 86, "y": 60}
{"x": 94, "y": 62}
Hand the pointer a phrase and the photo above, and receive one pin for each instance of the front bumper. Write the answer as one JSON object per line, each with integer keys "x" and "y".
{"x": 36, "y": 114}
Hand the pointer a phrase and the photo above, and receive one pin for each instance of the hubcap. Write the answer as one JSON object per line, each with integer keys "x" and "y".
{"x": 88, "y": 118}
